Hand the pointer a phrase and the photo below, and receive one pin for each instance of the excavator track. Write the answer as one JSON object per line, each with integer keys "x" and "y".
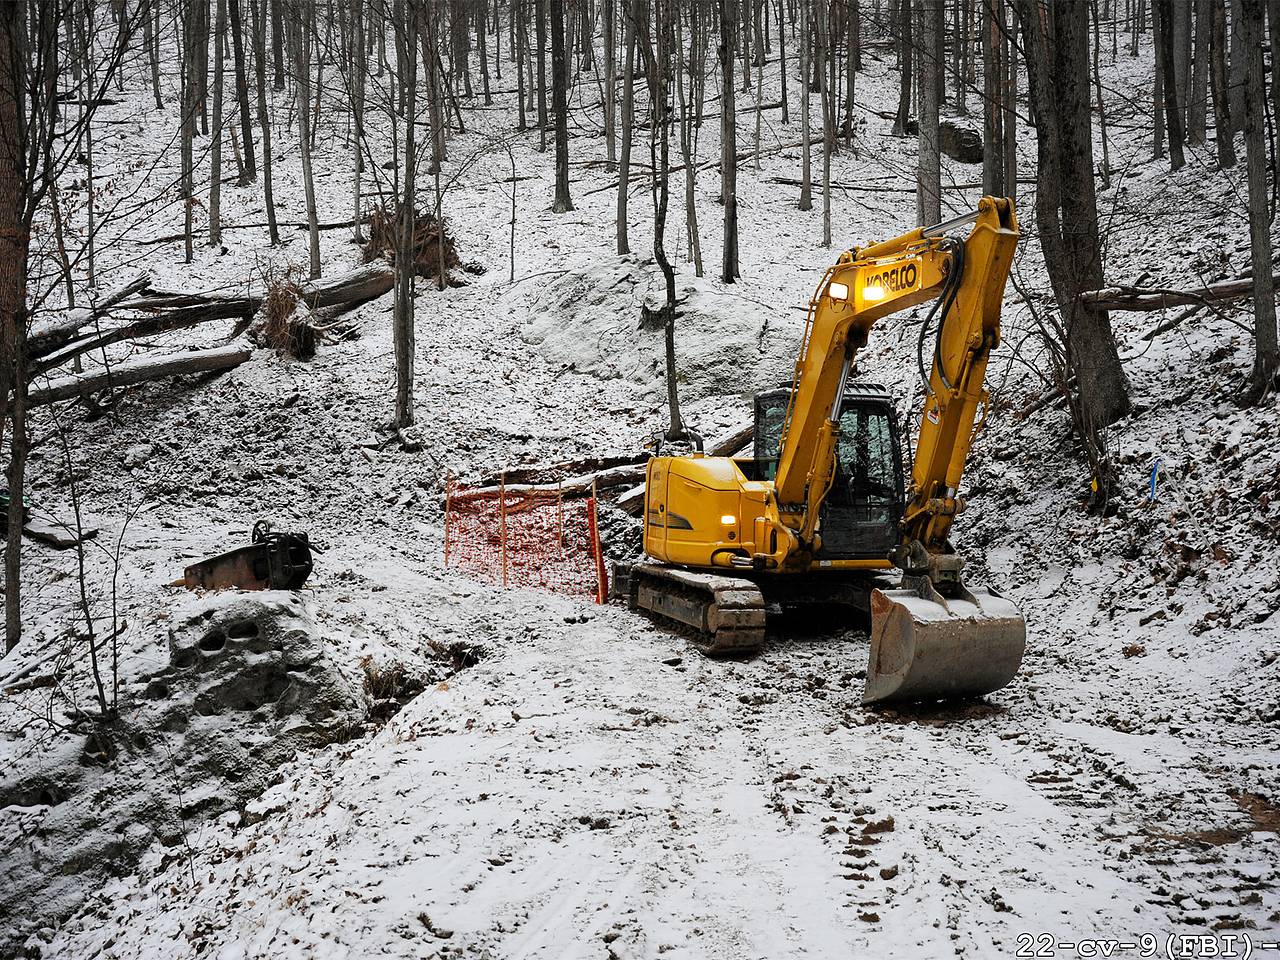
{"x": 726, "y": 613}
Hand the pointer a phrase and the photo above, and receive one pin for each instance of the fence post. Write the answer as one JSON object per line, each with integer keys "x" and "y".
{"x": 448, "y": 508}
{"x": 502, "y": 522}
{"x": 602, "y": 578}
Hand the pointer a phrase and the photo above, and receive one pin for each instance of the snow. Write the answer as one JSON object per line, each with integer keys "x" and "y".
{"x": 576, "y": 794}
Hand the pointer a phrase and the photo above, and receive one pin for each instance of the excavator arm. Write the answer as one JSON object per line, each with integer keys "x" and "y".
{"x": 933, "y": 636}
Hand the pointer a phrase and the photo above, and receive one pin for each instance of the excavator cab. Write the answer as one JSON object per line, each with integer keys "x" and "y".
{"x": 860, "y": 514}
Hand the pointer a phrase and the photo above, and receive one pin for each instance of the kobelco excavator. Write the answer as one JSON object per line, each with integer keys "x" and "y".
{"x": 821, "y": 512}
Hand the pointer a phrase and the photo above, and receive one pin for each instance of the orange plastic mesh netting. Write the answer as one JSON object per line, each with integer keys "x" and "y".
{"x": 525, "y": 537}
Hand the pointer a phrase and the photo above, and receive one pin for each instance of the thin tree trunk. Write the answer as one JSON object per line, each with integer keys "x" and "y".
{"x": 264, "y": 118}
{"x": 149, "y": 41}
{"x": 806, "y": 148}
{"x": 559, "y": 98}
{"x": 277, "y": 42}
{"x": 1102, "y": 107}
{"x": 1222, "y": 121}
{"x": 993, "y": 114}
{"x": 826, "y": 57}
{"x": 404, "y": 334}
{"x": 190, "y": 13}
{"x": 610, "y": 93}
{"x": 928, "y": 157}
{"x": 1173, "y": 115}
{"x": 304, "y": 133}
{"x": 628, "y": 124}
{"x": 1239, "y": 66}
{"x": 1197, "y": 106}
{"x": 540, "y": 28}
{"x": 686, "y": 138}
{"x": 729, "y": 140}
{"x": 215, "y": 151}
{"x": 1266, "y": 351}
{"x": 906, "y": 48}
{"x": 782, "y": 62}
{"x": 14, "y": 251}
{"x": 242, "y": 92}
{"x": 359, "y": 68}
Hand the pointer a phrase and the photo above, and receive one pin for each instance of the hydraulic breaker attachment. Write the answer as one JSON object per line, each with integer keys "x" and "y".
{"x": 928, "y": 647}
{"x": 273, "y": 561}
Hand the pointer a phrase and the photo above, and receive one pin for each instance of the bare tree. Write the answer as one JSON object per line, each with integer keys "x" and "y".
{"x": 242, "y": 91}
{"x": 628, "y": 124}
{"x": 1057, "y": 38}
{"x": 1198, "y": 94}
{"x": 929, "y": 157}
{"x": 258, "y": 9}
{"x": 559, "y": 97}
{"x": 993, "y": 115}
{"x": 729, "y": 140}
{"x": 404, "y": 338}
{"x": 215, "y": 150}
{"x": 1172, "y": 111}
{"x": 1223, "y": 127}
{"x": 806, "y": 148}
{"x": 657, "y": 56}
{"x": 906, "y": 55}
{"x": 1266, "y": 359}
{"x": 304, "y": 26}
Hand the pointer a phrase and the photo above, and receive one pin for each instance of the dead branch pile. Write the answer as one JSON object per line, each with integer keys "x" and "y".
{"x": 434, "y": 250}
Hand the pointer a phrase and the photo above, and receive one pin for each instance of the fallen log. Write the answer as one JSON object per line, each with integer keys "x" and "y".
{"x": 133, "y": 372}
{"x": 571, "y": 487}
{"x": 48, "y": 336}
{"x": 1148, "y": 299}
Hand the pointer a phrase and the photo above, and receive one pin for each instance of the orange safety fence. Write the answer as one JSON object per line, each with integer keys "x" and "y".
{"x": 525, "y": 537}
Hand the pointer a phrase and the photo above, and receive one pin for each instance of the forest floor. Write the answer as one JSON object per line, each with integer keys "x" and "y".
{"x": 593, "y": 787}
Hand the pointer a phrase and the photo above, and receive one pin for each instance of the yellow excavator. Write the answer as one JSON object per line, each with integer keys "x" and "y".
{"x": 821, "y": 512}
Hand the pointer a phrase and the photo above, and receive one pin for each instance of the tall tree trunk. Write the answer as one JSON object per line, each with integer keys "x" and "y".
{"x": 993, "y": 114}
{"x": 1197, "y": 104}
{"x": 826, "y": 92}
{"x": 906, "y": 48}
{"x": 242, "y": 92}
{"x": 729, "y": 140}
{"x": 15, "y": 242}
{"x": 277, "y": 42}
{"x": 806, "y": 147}
{"x": 1158, "y": 89}
{"x": 264, "y": 117}
{"x": 190, "y": 13}
{"x": 150, "y": 17}
{"x": 215, "y": 150}
{"x": 540, "y": 28}
{"x": 628, "y": 123}
{"x": 1266, "y": 359}
{"x": 359, "y": 69}
{"x": 1180, "y": 18}
{"x": 686, "y": 139}
{"x": 1239, "y": 67}
{"x": 610, "y": 93}
{"x": 1223, "y": 127}
{"x": 559, "y": 98}
{"x": 404, "y": 337}
{"x": 929, "y": 158}
{"x": 1057, "y": 43}
{"x": 1009, "y": 94}
{"x": 1173, "y": 113}
{"x": 782, "y": 63}
{"x": 302, "y": 11}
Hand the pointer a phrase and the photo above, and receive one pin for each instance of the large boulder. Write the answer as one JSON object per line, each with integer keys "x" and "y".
{"x": 249, "y": 683}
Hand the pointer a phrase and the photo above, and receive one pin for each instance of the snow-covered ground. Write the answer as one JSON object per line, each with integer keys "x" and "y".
{"x": 593, "y": 787}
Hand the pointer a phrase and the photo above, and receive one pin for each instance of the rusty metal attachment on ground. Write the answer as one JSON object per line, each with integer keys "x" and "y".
{"x": 273, "y": 561}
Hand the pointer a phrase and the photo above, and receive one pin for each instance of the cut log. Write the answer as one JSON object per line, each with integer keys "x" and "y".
{"x": 1147, "y": 299}
{"x": 140, "y": 371}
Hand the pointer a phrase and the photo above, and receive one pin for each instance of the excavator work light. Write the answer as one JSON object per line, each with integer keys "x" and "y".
{"x": 728, "y": 519}
{"x": 873, "y": 293}
{"x": 838, "y": 291}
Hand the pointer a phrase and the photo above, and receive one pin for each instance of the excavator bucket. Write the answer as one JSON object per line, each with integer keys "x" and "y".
{"x": 934, "y": 649}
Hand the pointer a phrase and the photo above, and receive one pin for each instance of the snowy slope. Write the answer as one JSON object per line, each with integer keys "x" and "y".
{"x": 578, "y": 794}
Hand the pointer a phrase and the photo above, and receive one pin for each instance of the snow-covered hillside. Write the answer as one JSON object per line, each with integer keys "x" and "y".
{"x": 592, "y": 786}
